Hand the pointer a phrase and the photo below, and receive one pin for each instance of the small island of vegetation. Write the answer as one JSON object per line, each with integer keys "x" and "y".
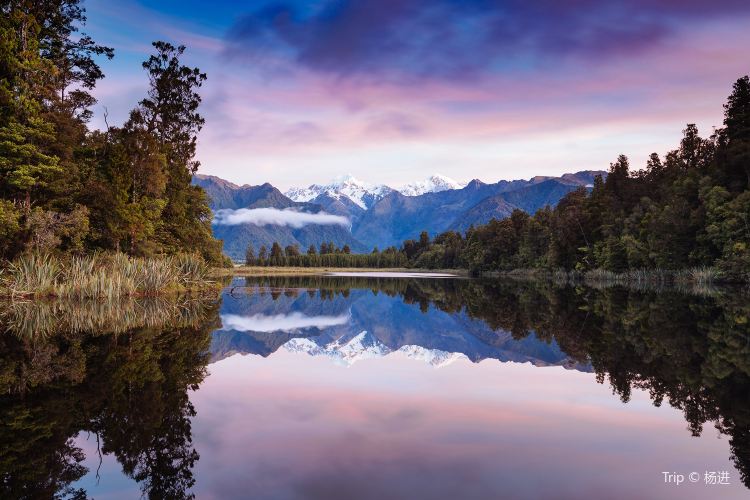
{"x": 86, "y": 212}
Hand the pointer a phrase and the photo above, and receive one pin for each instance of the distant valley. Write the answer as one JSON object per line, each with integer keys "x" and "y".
{"x": 378, "y": 215}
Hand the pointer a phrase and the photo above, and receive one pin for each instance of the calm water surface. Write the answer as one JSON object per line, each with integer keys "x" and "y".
{"x": 380, "y": 387}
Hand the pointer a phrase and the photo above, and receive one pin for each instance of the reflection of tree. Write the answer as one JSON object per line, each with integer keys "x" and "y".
{"x": 691, "y": 351}
{"x": 130, "y": 390}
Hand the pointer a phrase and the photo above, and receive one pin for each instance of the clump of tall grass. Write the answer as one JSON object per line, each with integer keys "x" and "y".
{"x": 157, "y": 274}
{"x": 30, "y": 274}
{"x": 191, "y": 268}
{"x": 102, "y": 276}
{"x": 657, "y": 276}
{"x": 699, "y": 280}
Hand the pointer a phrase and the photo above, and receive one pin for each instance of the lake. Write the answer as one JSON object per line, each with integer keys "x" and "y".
{"x": 371, "y": 387}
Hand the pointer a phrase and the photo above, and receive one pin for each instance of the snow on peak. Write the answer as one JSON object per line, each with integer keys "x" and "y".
{"x": 342, "y": 352}
{"x": 433, "y": 184}
{"x": 348, "y": 180}
{"x": 434, "y": 357}
{"x": 365, "y": 194}
{"x": 347, "y": 351}
{"x": 362, "y": 193}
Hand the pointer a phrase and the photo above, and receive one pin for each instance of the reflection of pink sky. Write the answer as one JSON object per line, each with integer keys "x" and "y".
{"x": 294, "y": 426}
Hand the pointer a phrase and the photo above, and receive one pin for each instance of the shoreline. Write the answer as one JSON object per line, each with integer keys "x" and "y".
{"x": 693, "y": 281}
{"x": 240, "y": 271}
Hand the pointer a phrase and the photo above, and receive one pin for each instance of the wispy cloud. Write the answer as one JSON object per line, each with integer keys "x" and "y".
{"x": 276, "y": 217}
{"x": 279, "y": 322}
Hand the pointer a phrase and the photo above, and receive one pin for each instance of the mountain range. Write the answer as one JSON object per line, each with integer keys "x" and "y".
{"x": 378, "y": 215}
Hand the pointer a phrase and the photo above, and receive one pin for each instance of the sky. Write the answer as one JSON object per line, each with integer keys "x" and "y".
{"x": 393, "y": 91}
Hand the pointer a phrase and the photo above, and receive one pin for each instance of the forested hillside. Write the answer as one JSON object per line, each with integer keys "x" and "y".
{"x": 67, "y": 188}
{"x": 687, "y": 209}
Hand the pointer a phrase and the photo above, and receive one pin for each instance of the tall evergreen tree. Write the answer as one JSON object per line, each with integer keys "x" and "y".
{"x": 250, "y": 255}
{"x": 171, "y": 112}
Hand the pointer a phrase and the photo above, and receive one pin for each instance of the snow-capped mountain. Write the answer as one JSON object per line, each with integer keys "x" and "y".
{"x": 362, "y": 193}
{"x": 433, "y": 184}
{"x": 379, "y": 215}
{"x": 365, "y": 346}
{"x": 365, "y": 195}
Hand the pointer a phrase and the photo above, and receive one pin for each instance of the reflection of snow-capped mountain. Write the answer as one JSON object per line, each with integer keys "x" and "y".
{"x": 365, "y": 346}
{"x": 433, "y": 184}
{"x": 359, "y": 324}
{"x": 362, "y": 193}
{"x": 434, "y": 357}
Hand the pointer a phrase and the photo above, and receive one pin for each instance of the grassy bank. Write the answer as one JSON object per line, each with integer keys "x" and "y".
{"x": 293, "y": 271}
{"x": 102, "y": 276}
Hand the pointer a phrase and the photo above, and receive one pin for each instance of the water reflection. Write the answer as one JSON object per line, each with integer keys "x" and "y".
{"x": 349, "y": 319}
{"x": 690, "y": 350}
{"x": 124, "y": 374}
{"x": 126, "y": 383}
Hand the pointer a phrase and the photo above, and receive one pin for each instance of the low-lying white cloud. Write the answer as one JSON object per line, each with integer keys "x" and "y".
{"x": 276, "y": 217}
{"x": 279, "y": 322}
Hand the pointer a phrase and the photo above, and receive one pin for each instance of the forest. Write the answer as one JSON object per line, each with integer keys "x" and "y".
{"x": 328, "y": 255}
{"x": 67, "y": 189}
{"x": 688, "y": 210}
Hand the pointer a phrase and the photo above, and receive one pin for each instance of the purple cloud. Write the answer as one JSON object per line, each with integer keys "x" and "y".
{"x": 408, "y": 39}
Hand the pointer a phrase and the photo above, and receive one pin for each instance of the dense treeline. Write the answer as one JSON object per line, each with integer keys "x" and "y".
{"x": 327, "y": 256}
{"x": 688, "y": 209}
{"x": 67, "y": 188}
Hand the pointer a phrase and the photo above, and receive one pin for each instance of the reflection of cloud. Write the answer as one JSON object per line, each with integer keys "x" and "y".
{"x": 274, "y": 216}
{"x": 279, "y": 322}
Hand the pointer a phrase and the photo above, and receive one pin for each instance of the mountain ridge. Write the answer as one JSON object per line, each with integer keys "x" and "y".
{"x": 380, "y": 216}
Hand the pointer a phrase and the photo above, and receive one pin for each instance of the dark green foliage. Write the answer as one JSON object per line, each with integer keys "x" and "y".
{"x": 329, "y": 256}
{"x": 76, "y": 190}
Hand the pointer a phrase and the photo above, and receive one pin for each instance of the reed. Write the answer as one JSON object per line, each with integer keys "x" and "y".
{"x": 192, "y": 268}
{"x": 102, "y": 276}
{"x": 699, "y": 275}
{"x": 31, "y": 274}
